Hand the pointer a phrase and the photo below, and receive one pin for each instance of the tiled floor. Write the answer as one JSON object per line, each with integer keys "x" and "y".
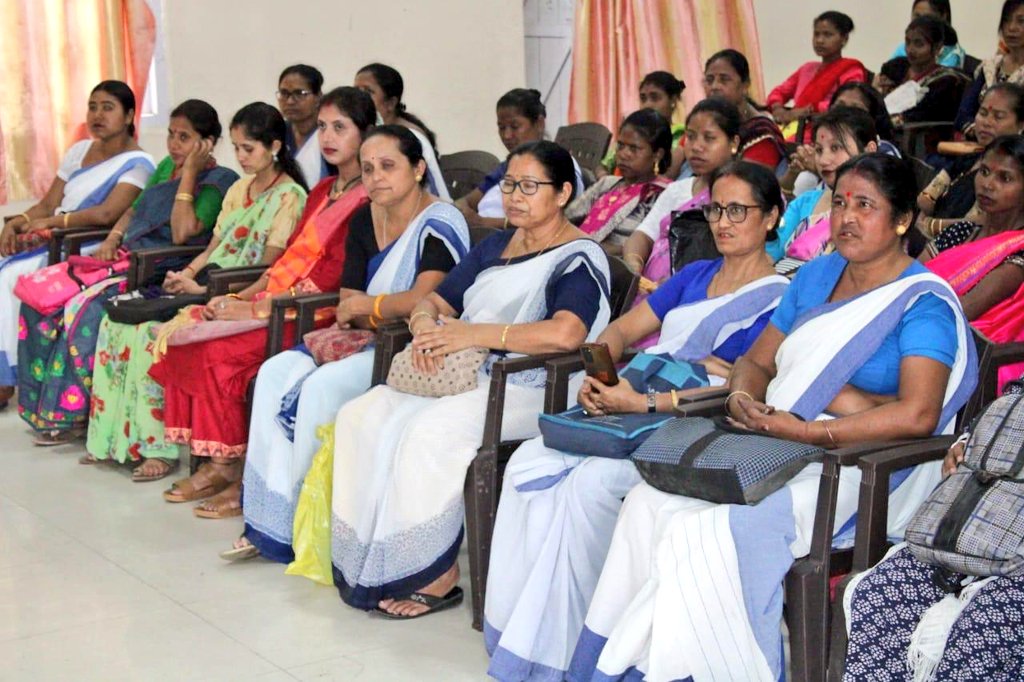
{"x": 100, "y": 579}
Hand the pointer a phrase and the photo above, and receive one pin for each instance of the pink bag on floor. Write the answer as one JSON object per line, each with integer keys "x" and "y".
{"x": 48, "y": 289}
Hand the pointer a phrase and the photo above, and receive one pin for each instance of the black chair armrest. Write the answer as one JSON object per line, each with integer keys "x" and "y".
{"x": 306, "y": 307}
{"x": 279, "y": 308}
{"x": 391, "y": 339}
{"x": 143, "y": 261}
{"x": 556, "y": 390}
{"x": 227, "y": 279}
{"x": 873, "y": 505}
{"x": 73, "y": 243}
{"x": 58, "y": 235}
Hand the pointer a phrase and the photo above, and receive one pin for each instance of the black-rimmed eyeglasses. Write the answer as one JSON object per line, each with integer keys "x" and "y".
{"x": 736, "y": 213}
{"x": 527, "y": 186}
{"x": 294, "y": 95}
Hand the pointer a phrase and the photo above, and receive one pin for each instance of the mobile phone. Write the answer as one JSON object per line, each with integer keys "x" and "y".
{"x": 597, "y": 362}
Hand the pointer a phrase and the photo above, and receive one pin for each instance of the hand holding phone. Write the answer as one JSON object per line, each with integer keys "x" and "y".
{"x": 597, "y": 363}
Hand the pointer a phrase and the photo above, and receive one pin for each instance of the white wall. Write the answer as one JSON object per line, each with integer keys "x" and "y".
{"x": 456, "y": 56}
{"x": 785, "y": 30}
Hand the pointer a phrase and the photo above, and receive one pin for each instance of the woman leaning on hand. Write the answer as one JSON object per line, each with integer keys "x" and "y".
{"x": 398, "y": 471}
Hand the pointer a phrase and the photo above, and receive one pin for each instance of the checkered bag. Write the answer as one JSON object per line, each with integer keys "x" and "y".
{"x": 710, "y": 460}
{"x": 973, "y": 522}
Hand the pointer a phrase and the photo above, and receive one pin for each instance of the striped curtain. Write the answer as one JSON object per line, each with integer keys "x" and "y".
{"x": 53, "y": 52}
{"x": 617, "y": 42}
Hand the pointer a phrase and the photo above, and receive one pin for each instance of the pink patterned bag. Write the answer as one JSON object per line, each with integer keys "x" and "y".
{"x": 48, "y": 289}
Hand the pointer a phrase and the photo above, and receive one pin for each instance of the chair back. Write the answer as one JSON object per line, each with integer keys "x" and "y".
{"x": 623, "y": 286}
{"x": 587, "y": 142}
{"x": 464, "y": 171}
{"x": 478, "y": 234}
{"x": 971, "y": 64}
{"x": 923, "y": 172}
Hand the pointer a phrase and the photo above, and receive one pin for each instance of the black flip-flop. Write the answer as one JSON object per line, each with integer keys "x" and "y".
{"x": 433, "y": 604}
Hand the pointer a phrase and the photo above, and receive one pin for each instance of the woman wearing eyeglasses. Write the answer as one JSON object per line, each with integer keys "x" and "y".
{"x": 298, "y": 97}
{"x": 400, "y": 460}
{"x": 558, "y": 511}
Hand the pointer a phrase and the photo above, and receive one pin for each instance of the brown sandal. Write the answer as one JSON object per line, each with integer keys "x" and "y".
{"x": 186, "y": 491}
{"x": 229, "y": 505}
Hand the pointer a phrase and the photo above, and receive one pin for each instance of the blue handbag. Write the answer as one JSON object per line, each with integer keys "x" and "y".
{"x": 616, "y": 436}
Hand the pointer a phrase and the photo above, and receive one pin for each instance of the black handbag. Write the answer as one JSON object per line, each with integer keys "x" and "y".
{"x": 709, "y": 459}
{"x": 690, "y": 238}
{"x": 153, "y": 304}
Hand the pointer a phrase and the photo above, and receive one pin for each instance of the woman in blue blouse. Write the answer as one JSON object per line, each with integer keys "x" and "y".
{"x": 557, "y": 510}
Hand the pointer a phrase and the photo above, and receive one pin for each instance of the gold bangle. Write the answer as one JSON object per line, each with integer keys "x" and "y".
{"x": 66, "y": 216}
{"x": 373, "y": 322}
{"x": 417, "y": 314}
{"x": 734, "y": 393}
{"x": 675, "y": 399}
{"x": 119, "y": 234}
{"x": 26, "y": 216}
{"x": 234, "y": 296}
{"x": 504, "y": 337}
{"x": 639, "y": 260}
{"x": 184, "y": 196}
{"x": 828, "y": 431}
{"x": 376, "y": 306}
{"x": 189, "y": 268}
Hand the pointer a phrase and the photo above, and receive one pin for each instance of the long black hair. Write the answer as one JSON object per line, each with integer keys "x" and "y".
{"x": 655, "y": 131}
{"x": 391, "y": 83}
{"x": 261, "y": 122}
{"x": 120, "y": 91}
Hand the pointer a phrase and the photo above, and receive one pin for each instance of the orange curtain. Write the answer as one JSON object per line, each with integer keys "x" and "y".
{"x": 53, "y": 52}
{"x": 617, "y": 42}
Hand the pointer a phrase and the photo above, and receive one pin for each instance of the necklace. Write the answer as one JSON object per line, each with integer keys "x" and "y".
{"x": 335, "y": 192}
{"x": 415, "y": 213}
{"x": 248, "y": 191}
{"x": 546, "y": 246}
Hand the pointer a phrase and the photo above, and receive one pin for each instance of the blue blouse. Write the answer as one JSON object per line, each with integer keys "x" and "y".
{"x": 928, "y": 328}
{"x": 797, "y": 211}
{"x": 576, "y": 291}
{"x": 690, "y": 285}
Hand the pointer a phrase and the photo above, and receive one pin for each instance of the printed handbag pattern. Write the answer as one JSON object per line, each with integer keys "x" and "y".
{"x": 459, "y": 374}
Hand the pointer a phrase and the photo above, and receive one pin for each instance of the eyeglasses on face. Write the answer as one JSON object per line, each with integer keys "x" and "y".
{"x": 527, "y": 186}
{"x": 294, "y": 95}
{"x": 736, "y": 213}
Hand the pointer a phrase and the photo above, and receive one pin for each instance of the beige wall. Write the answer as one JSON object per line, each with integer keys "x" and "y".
{"x": 785, "y": 30}
{"x": 456, "y": 56}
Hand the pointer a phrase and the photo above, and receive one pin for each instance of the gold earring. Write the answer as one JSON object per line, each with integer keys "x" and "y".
{"x": 655, "y": 167}
{"x": 902, "y": 229}
{"x": 419, "y": 178}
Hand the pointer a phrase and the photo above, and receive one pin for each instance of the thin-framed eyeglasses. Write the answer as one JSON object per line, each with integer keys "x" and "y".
{"x": 526, "y": 186}
{"x": 294, "y": 95}
{"x": 736, "y": 213}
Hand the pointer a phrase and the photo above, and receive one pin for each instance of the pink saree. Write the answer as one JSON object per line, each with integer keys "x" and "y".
{"x": 965, "y": 266}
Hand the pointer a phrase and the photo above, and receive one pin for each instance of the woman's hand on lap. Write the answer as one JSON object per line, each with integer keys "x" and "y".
{"x": 451, "y": 336}
{"x": 598, "y": 398}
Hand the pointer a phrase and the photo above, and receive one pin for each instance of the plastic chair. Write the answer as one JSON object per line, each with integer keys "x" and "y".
{"x": 464, "y": 171}
{"x": 587, "y": 142}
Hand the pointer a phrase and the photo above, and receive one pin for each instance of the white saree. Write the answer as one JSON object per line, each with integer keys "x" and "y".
{"x": 400, "y": 460}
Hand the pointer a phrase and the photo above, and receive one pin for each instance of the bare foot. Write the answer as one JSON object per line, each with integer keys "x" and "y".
{"x": 438, "y": 588}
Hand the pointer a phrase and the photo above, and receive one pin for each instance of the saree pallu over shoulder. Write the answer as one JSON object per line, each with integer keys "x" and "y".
{"x": 811, "y": 373}
{"x": 693, "y": 331}
{"x": 244, "y": 231}
{"x": 619, "y": 205}
{"x": 90, "y": 185}
{"x": 509, "y": 294}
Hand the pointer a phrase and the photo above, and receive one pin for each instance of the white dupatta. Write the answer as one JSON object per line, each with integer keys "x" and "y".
{"x": 401, "y": 262}
{"x": 517, "y": 293}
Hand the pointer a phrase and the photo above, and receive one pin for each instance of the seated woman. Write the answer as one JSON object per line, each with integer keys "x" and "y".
{"x": 610, "y": 209}
{"x": 557, "y": 511}
{"x": 886, "y": 604}
{"x": 205, "y": 381}
{"x": 727, "y": 75}
{"x": 908, "y": 364}
{"x": 298, "y": 97}
{"x": 802, "y": 173}
{"x": 97, "y": 181}
{"x": 839, "y": 135}
{"x": 949, "y": 198}
{"x": 931, "y": 92}
{"x": 257, "y": 217}
{"x": 985, "y": 263}
{"x": 952, "y": 54}
{"x": 400, "y": 460}
{"x": 386, "y": 273}
{"x": 1007, "y": 66}
{"x": 811, "y": 86}
{"x": 521, "y": 119}
{"x": 179, "y": 206}
{"x": 385, "y": 86}
{"x": 660, "y": 91}
{"x": 712, "y": 138}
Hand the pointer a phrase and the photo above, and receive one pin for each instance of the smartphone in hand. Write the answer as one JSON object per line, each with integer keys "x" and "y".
{"x": 597, "y": 362}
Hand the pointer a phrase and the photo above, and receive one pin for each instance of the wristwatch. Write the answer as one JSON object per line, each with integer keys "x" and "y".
{"x": 652, "y": 401}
